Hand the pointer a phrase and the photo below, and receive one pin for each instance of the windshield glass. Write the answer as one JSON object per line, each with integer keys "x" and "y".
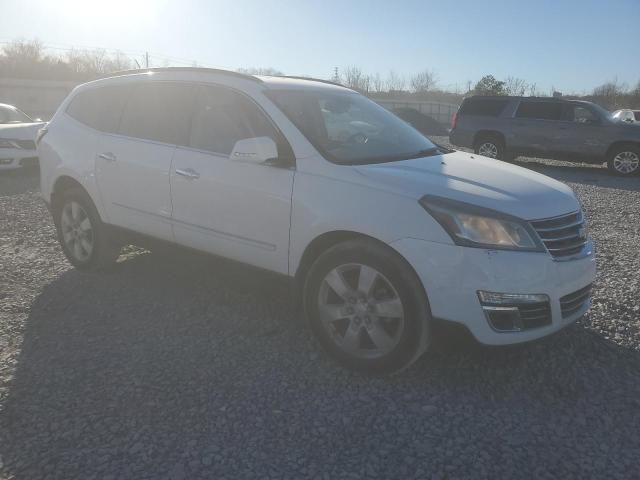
{"x": 348, "y": 128}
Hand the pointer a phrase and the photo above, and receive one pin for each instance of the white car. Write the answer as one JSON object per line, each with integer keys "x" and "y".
{"x": 17, "y": 138}
{"x": 626, "y": 115}
{"x": 385, "y": 233}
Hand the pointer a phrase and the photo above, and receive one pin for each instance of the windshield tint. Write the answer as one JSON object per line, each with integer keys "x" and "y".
{"x": 348, "y": 128}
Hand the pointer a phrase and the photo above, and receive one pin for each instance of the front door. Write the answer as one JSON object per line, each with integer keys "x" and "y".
{"x": 230, "y": 208}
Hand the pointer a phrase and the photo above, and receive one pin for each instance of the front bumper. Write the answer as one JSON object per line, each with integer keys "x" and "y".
{"x": 453, "y": 275}
{"x": 12, "y": 158}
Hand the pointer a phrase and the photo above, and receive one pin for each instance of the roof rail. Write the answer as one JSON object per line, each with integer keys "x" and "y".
{"x": 293, "y": 77}
{"x": 182, "y": 69}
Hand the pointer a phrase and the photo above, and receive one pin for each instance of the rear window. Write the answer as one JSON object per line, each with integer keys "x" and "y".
{"x": 490, "y": 107}
{"x": 100, "y": 108}
{"x": 160, "y": 112}
{"x": 540, "y": 110}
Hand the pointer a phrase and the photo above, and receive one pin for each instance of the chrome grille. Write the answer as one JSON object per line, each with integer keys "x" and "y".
{"x": 26, "y": 144}
{"x": 569, "y": 304}
{"x": 563, "y": 236}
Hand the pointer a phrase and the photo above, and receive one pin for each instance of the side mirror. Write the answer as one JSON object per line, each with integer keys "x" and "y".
{"x": 261, "y": 150}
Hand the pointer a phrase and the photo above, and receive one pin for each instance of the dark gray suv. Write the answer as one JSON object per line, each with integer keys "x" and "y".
{"x": 570, "y": 130}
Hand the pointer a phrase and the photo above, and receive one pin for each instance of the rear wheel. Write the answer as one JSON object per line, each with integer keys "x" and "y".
{"x": 85, "y": 240}
{"x": 490, "y": 146}
{"x": 366, "y": 307}
{"x": 625, "y": 160}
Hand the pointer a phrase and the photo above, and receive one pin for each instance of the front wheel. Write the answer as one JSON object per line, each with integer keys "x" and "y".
{"x": 625, "y": 160}
{"x": 366, "y": 307}
{"x": 84, "y": 238}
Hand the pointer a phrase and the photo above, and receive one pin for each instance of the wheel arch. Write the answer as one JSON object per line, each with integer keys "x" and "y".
{"x": 62, "y": 184}
{"x": 615, "y": 145}
{"x": 488, "y": 133}
{"x": 326, "y": 240}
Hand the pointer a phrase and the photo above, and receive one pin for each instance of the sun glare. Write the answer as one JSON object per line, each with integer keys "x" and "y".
{"x": 106, "y": 12}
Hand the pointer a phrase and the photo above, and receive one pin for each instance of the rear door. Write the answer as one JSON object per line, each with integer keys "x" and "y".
{"x": 583, "y": 133}
{"x": 133, "y": 164}
{"x": 225, "y": 206}
{"x": 536, "y": 127}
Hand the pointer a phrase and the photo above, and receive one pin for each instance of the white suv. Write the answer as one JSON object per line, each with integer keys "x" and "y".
{"x": 383, "y": 231}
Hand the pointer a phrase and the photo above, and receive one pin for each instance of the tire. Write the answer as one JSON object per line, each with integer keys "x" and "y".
{"x": 490, "y": 146}
{"x": 85, "y": 240}
{"x": 351, "y": 325}
{"x": 624, "y": 160}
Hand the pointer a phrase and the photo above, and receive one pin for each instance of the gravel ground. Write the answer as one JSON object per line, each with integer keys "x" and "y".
{"x": 179, "y": 366}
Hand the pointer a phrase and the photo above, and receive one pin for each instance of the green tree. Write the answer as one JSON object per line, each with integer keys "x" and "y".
{"x": 488, "y": 85}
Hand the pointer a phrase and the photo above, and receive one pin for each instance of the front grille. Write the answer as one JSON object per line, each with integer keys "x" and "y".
{"x": 26, "y": 144}
{"x": 563, "y": 236}
{"x": 569, "y": 304}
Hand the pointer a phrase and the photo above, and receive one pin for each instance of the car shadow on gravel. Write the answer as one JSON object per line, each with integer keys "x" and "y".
{"x": 585, "y": 174}
{"x": 175, "y": 365}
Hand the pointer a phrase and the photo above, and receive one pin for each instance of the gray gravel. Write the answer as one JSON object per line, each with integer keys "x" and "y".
{"x": 179, "y": 366}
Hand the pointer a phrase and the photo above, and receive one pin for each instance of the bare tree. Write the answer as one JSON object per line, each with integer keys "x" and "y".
{"x": 611, "y": 93}
{"x": 261, "y": 71}
{"x": 377, "y": 85}
{"x": 515, "y": 86}
{"x": 354, "y": 78}
{"x": 533, "y": 92}
{"x": 395, "y": 82}
{"x": 423, "y": 81}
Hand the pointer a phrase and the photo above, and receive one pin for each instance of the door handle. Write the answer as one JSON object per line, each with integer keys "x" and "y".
{"x": 188, "y": 173}
{"x": 108, "y": 156}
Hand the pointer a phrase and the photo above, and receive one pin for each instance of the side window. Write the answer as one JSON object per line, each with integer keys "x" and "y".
{"x": 158, "y": 111}
{"x": 489, "y": 107}
{"x": 100, "y": 108}
{"x": 581, "y": 115}
{"x": 540, "y": 110}
{"x": 222, "y": 117}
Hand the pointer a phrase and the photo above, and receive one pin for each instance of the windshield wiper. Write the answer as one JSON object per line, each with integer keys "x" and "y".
{"x": 427, "y": 152}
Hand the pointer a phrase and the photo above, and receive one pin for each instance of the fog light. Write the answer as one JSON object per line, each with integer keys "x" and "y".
{"x": 495, "y": 298}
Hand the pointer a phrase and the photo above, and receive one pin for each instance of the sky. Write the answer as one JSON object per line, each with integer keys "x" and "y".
{"x": 572, "y": 45}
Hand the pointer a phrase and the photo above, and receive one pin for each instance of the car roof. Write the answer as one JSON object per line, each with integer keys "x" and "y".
{"x": 281, "y": 82}
{"x": 6, "y": 105}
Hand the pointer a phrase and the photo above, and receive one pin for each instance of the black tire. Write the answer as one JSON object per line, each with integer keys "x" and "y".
{"x": 629, "y": 152}
{"x": 412, "y": 340}
{"x": 104, "y": 251}
{"x": 496, "y": 143}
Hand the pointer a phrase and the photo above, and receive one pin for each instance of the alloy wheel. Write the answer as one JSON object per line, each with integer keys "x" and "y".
{"x": 488, "y": 149}
{"x": 77, "y": 231}
{"x": 626, "y": 162}
{"x": 361, "y": 311}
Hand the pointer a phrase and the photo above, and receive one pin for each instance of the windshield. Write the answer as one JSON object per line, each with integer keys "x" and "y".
{"x": 13, "y": 115}
{"x": 348, "y": 128}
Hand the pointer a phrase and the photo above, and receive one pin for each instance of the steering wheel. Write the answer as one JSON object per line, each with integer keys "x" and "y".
{"x": 358, "y": 137}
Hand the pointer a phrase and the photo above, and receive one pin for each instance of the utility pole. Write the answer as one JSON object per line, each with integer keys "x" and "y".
{"x": 336, "y": 77}
{"x": 146, "y": 59}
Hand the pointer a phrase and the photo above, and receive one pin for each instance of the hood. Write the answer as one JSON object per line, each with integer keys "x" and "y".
{"x": 20, "y": 131}
{"x": 477, "y": 180}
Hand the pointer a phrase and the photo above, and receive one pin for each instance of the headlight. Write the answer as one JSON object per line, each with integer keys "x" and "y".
{"x": 8, "y": 144}
{"x": 473, "y": 226}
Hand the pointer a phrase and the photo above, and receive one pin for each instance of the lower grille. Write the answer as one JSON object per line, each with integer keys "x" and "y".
{"x": 569, "y": 304}
{"x": 515, "y": 318}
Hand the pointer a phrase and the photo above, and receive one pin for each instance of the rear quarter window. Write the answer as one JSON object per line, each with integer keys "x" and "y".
{"x": 489, "y": 107}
